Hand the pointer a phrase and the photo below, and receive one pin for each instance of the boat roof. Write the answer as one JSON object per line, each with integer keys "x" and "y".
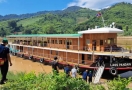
{"x": 98, "y": 30}
{"x": 102, "y": 30}
{"x": 48, "y": 35}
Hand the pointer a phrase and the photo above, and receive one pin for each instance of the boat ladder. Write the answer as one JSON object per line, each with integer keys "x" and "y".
{"x": 98, "y": 72}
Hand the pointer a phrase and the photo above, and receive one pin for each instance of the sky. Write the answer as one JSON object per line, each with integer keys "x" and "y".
{"x": 32, "y": 6}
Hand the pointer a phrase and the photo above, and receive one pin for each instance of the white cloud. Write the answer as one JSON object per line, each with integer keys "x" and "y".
{"x": 107, "y": 7}
{"x": 96, "y": 4}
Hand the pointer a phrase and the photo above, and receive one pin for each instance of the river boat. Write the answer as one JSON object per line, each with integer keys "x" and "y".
{"x": 82, "y": 49}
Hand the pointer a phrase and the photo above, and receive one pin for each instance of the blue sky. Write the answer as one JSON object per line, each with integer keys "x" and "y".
{"x": 32, "y": 6}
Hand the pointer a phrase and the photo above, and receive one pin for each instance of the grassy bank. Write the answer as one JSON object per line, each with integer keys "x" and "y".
{"x": 43, "y": 81}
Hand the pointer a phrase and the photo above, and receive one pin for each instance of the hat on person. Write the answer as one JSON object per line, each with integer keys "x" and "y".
{"x": 4, "y": 40}
{"x": 89, "y": 71}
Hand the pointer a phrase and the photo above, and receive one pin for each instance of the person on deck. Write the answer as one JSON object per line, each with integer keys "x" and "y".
{"x": 100, "y": 61}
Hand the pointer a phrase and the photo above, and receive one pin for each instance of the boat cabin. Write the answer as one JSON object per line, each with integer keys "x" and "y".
{"x": 75, "y": 48}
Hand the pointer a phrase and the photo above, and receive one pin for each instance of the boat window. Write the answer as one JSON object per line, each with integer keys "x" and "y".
{"x": 56, "y": 42}
{"x": 89, "y": 57}
{"x": 110, "y": 40}
{"x": 114, "y": 40}
{"x": 29, "y": 48}
{"x": 52, "y": 41}
{"x": 56, "y": 52}
{"x": 70, "y": 42}
{"x": 50, "y": 51}
{"x": 87, "y": 41}
{"x": 48, "y": 41}
{"x": 105, "y": 41}
{"x": 60, "y": 41}
{"x": 101, "y": 42}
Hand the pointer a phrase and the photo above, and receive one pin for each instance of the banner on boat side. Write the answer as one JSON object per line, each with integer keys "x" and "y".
{"x": 121, "y": 64}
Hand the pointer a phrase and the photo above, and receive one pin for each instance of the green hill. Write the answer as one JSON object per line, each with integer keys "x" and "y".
{"x": 28, "y": 21}
{"x": 63, "y": 22}
{"x": 119, "y": 13}
{"x": 70, "y": 20}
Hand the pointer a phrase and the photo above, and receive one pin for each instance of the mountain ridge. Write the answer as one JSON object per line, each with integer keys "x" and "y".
{"x": 28, "y": 15}
{"x": 70, "y": 20}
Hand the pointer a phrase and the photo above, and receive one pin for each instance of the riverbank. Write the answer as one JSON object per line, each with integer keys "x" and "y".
{"x": 24, "y": 65}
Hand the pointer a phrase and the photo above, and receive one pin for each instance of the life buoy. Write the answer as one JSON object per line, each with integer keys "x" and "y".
{"x": 14, "y": 53}
{"x": 11, "y": 52}
{"x": 113, "y": 71}
{"x": 41, "y": 60}
{"x": 34, "y": 59}
{"x": 30, "y": 57}
{"x": 22, "y": 55}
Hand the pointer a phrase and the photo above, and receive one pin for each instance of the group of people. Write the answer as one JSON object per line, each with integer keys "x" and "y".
{"x": 5, "y": 60}
{"x": 87, "y": 75}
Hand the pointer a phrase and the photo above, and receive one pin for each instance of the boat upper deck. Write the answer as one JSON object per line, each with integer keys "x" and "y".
{"x": 121, "y": 53}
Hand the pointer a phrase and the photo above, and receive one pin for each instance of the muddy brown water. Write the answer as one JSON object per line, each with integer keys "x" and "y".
{"x": 24, "y": 65}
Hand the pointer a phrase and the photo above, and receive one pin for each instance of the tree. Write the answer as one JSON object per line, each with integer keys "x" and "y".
{"x": 88, "y": 16}
{"x": 127, "y": 28}
{"x": 12, "y": 24}
{"x": 2, "y": 32}
{"x": 119, "y": 26}
{"x": 51, "y": 30}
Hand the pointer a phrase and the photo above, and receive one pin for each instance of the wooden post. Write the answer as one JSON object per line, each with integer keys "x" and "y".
{"x": 78, "y": 50}
{"x": 93, "y": 53}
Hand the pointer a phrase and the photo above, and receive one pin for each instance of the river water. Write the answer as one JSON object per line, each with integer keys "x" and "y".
{"x": 24, "y": 65}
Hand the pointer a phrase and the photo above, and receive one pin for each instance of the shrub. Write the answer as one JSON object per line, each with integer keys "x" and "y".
{"x": 43, "y": 81}
{"x": 119, "y": 83}
{"x": 29, "y": 81}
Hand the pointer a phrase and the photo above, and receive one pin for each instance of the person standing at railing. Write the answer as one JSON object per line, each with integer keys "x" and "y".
{"x": 100, "y": 60}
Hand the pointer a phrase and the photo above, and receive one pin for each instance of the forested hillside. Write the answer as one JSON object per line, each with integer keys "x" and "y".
{"x": 70, "y": 20}
{"x": 60, "y": 22}
{"x": 119, "y": 13}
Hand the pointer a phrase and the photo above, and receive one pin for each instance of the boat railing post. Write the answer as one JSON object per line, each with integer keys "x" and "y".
{"x": 26, "y": 41}
{"x": 43, "y": 46}
{"x": 111, "y": 54}
{"x": 78, "y": 50}
{"x": 122, "y": 51}
{"x": 93, "y": 53}
{"x": 57, "y": 43}
{"x": 37, "y": 46}
{"x": 66, "y": 49}
{"x": 50, "y": 48}
{"x": 31, "y": 45}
